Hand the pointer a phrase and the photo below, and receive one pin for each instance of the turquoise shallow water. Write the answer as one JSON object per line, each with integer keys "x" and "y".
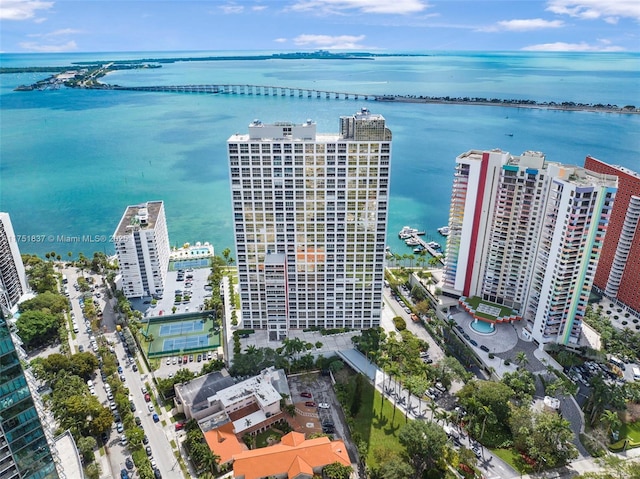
{"x": 71, "y": 160}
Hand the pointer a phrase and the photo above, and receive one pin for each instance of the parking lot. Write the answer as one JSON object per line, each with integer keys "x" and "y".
{"x": 316, "y": 388}
{"x": 190, "y": 283}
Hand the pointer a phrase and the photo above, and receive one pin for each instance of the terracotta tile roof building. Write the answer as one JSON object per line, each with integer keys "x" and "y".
{"x": 224, "y": 443}
{"x": 293, "y": 458}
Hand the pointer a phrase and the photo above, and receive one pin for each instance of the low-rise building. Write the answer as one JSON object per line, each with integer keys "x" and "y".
{"x": 293, "y": 458}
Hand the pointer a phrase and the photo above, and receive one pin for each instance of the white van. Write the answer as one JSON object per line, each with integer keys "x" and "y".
{"x": 90, "y": 383}
{"x": 636, "y": 373}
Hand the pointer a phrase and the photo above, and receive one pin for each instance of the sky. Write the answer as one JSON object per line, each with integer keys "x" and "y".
{"x": 305, "y": 25}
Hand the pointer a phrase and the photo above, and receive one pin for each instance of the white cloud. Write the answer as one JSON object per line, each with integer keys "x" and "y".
{"x": 22, "y": 10}
{"x": 604, "y": 46}
{"x": 231, "y": 9}
{"x": 280, "y": 40}
{"x": 329, "y": 42}
{"x": 38, "y": 47}
{"x": 56, "y": 33}
{"x": 609, "y": 10}
{"x": 526, "y": 25}
{"x": 258, "y": 8}
{"x": 400, "y": 7}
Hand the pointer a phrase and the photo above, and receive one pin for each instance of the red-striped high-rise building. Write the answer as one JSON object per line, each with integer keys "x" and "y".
{"x": 618, "y": 273}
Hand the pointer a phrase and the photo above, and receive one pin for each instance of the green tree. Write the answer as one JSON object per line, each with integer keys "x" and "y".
{"x": 424, "y": 443}
{"x": 521, "y": 359}
{"x": 83, "y": 364}
{"x": 40, "y": 273}
{"x": 523, "y": 384}
{"x": 497, "y": 398}
{"x": 92, "y": 471}
{"x": 135, "y": 435}
{"x": 551, "y": 443}
{"x": 611, "y": 420}
{"x": 337, "y": 470}
{"x": 37, "y": 328}
{"x": 86, "y": 445}
{"x": 50, "y": 301}
{"x": 395, "y": 469}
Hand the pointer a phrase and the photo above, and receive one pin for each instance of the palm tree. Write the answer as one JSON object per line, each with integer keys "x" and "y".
{"x": 441, "y": 415}
{"x": 210, "y": 461}
{"x": 611, "y": 420}
{"x": 521, "y": 359}
{"x": 485, "y": 412}
{"x": 433, "y": 407}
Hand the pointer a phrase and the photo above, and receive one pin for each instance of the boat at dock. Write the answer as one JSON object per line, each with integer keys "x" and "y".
{"x": 444, "y": 230}
{"x": 436, "y": 246}
{"x": 412, "y": 241}
{"x": 407, "y": 232}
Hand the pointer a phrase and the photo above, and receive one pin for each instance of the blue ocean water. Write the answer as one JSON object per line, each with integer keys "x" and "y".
{"x": 72, "y": 160}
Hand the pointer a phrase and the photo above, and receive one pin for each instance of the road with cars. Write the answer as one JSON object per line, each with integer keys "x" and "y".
{"x": 159, "y": 435}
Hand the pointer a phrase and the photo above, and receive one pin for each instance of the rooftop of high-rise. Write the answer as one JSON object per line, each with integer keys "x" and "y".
{"x": 142, "y": 216}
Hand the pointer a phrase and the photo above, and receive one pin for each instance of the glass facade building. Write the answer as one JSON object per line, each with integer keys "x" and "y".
{"x": 24, "y": 449}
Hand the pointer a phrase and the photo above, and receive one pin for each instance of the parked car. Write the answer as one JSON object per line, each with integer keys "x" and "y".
{"x": 145, "y": 440}
{"x": 310, "y": 404}
{"x": 132, "y": 406}
{"x": 129, "y": 463}
{"x": 324, "y": 405}
{"x": 306, "y": 394}
{"x": 119, "y": 427}
{"x": 179, "y": 426}
{"x": 156, "y": 473}
{"x": 124, "y": 474}
{"x": 147, "y": 397}
{"x": 138, "y": 421}
{"x": 148, "y": 451}
{"x": 155, "y": 417}
{"x": 150, "y": 407}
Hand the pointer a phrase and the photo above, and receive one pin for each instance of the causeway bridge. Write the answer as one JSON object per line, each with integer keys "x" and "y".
{"x": 257, "y": 90}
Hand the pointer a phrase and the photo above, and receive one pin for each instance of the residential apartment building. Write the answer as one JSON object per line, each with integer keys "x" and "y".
{"x": 13, "y": 280}
{"x": 618, "y": 273}
{"x": 310, "y": 217}
{"x": 25, "y": 451}
{"x": 142, "y": 246}
{"x": 527, "y": 234}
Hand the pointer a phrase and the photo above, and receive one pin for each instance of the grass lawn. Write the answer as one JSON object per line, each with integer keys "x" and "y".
{"x": 629, "y": 431}
{"x": 475, "y": 301}
{"x": 506, "y": 455}
{"x": 261, "y": 438}
{"x": 377, "y": 424}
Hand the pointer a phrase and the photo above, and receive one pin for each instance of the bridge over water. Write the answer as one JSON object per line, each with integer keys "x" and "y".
{"x": 258, "y": 90}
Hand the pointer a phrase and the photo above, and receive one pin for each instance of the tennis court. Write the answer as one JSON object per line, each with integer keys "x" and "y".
{"x": 182, "y": 333}
{"x": 189, "y": 263}
{"x": 183, "y": 327}
{"x": 190, "y": 342}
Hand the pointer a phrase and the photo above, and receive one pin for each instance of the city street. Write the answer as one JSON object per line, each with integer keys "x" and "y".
{"x": 159, "y": 435}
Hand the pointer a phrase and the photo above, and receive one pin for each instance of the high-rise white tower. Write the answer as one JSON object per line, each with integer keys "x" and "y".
{"x": 142, "y": 245}
{"x": 13, "y": 280}
{"x": 310, "y": 217}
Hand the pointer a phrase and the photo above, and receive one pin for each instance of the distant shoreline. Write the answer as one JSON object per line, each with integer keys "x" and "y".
{"x": 567, "y": 106}
{"x": 86, "y": 75}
